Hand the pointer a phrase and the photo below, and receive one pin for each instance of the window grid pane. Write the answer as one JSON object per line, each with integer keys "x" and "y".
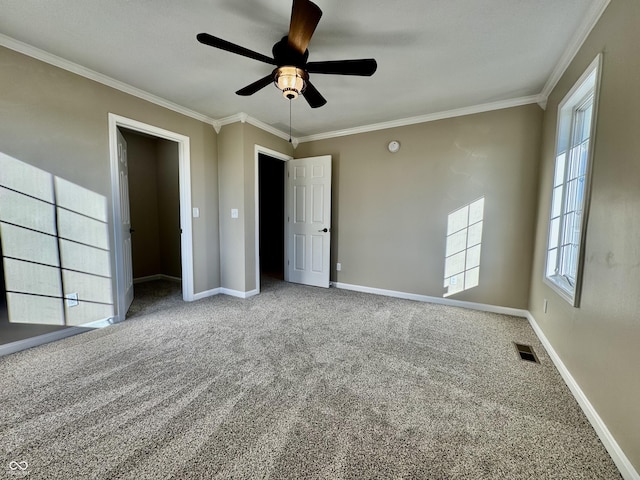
{"x": 558, "y": 178}
{"x": 569, "y": 184}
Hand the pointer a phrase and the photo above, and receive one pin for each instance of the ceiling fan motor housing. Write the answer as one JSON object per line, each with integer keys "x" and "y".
{"x": 283, "y": 54}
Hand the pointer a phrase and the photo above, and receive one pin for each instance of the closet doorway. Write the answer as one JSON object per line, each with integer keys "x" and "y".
{"x": 154, "y": 209}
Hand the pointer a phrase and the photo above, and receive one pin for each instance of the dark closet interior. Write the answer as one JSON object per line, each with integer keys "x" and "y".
{"x": 271, "y": 186}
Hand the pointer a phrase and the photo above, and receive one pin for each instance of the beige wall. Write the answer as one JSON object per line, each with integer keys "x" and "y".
{"x": 58, "y": 121}
{"x": 390, "y": 210}
{"x": 598, "y": 342}
{"x": 231, "y": 178}
{"x": 236, "y": 155}
{"x": 154, "y": 193}
{"x": 169, "y": 208}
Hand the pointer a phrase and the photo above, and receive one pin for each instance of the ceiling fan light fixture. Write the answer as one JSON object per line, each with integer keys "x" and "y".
{"x": 291, "y": 80}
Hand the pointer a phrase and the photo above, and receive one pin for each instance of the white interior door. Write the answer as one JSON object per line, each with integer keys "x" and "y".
{"x": 123, "y": 180}
{"x": 309, "y": 220}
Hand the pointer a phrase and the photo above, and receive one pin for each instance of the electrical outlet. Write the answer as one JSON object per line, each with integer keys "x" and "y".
{"x": 338, "y": 267}
{"x": 72, "y": 299}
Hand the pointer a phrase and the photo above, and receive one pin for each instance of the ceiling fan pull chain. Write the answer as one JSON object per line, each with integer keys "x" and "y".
{"x": 290, "y": 120}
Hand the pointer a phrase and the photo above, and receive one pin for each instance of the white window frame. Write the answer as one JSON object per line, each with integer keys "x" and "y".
{"x": 564, "y": 273}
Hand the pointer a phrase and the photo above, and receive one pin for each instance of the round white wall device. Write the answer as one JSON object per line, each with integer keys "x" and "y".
{"x": 393, "y": 146}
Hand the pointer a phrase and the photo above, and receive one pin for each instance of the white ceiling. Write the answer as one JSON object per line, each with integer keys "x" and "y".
{"x": 433, "y": 56}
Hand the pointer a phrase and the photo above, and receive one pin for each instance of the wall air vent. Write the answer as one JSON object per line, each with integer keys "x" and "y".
{"x": 526, "y": 352}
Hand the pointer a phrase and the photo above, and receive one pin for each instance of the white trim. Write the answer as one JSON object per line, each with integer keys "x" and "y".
{"x": 97, "y": 324}
{"x": 617, "y": 455}
{"x": 207, "y": 293}
{"x": 590, "y": 20}
{"x": 158, "y": 276}
{"x": 258, "y": 149}
{"x": 72, "y": 67}
{"x": 245, "y": 118}
{"x": 430, "y": 117}
{"x": 516, "y": 312}
{"x": 186, "y": 248}
{"x": 592, "y": 16}
{"x": 13, "y": 347}
{"x": 225, "y": 291}
{"x": 564, "y": 121}
{"x": 238, "y": 294}
{"x": 217, "y": 124}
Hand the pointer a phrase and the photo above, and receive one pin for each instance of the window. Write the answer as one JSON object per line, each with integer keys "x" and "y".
{"x": 462, "y": 256}
{"x": 570, "y": 190}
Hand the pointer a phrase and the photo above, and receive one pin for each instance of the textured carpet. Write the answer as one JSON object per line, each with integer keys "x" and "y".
{"x": 154, "y": 296}
{"x": 297, "y": 382}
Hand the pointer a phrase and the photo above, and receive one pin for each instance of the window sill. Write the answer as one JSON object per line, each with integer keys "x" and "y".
{"x": 562, "y": 287}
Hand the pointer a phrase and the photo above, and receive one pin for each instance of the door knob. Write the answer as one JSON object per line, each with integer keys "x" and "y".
{"x": 323, "y": 230}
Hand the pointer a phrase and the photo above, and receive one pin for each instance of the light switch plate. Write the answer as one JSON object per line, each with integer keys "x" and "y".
{"x": 196, "y": 212}
{"x": 234, "y": 213}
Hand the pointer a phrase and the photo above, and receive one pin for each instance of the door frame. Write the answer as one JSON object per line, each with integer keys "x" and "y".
{"x": 258, "y": 149}
{"x": 186, "y": 245}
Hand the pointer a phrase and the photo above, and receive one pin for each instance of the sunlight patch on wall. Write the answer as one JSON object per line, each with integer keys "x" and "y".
{"x": 464, "y": 240}
{"x": 55, "y": 243}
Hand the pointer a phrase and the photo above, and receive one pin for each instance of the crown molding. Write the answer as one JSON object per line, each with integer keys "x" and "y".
{"x": 590, "y": 19}
{"x": 430, "y": 117}
{"x": 72, "y": 67}
{"x": 246, "y": 118}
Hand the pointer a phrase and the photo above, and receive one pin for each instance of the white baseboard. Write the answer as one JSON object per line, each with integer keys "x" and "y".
{"x": 237, "y": 293}
{"x": 627, "y": 470}
{"x": 19, "y": 345}
{"x": 225, "y": 291}
{"x": 159, "y": 276}
{"x": 105, "y": 322}
{"x": 206, "y": 293}
{"x": 516, "y": 312}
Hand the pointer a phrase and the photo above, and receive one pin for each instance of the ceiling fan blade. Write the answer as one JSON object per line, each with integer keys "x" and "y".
{"x": 313, "y": 96}
{"x": 255, "y": 86}
{"x": 364, "y": 67}
{"x": 305, "y": 16}
{"x": 216, "y": 42}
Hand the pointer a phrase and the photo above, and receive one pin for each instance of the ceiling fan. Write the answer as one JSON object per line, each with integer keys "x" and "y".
{"x": 290, "y": 55}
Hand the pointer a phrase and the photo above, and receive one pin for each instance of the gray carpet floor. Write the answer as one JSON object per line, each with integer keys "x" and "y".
{"x": 154, "y": 296}
{"x": 296, "y": 383}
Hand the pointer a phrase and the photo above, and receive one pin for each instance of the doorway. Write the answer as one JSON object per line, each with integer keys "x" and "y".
{"x": 271, "y": 211}
{"x": 154, "y": 206}
{"x": 270, "y": 206}
{"x": 124, "y": 267}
